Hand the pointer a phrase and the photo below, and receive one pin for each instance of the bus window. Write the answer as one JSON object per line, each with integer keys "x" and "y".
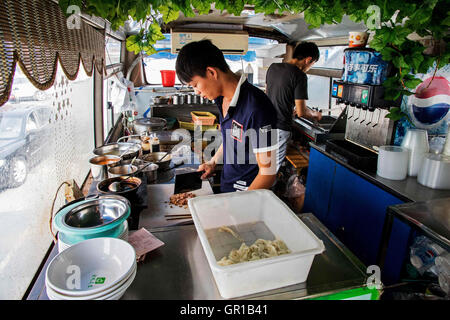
{"x": 45, "y": 139}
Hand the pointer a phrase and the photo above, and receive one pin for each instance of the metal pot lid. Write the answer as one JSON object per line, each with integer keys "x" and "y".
{"x": 117, "y": 148}
{"x": 105, "y": 212}
{"x": 153, "y": 121}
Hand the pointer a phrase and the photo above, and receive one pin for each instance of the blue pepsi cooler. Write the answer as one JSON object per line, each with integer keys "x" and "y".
{"x": 364, "y": 66}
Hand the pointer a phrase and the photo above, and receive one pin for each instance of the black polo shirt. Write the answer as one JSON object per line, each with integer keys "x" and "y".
{"x": 285, "y": 83}
{"x": 249, "y": 127}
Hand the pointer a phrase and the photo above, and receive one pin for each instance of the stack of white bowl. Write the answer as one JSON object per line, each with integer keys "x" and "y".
{"x": 94, "y": 269}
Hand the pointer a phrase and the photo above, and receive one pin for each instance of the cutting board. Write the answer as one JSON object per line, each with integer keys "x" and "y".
{"x": 158, "y": 205}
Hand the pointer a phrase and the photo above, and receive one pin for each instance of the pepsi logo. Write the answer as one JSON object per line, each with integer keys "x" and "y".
{"x": 431, "y": 102}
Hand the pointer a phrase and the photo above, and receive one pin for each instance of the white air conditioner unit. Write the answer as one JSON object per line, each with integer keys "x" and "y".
{"x": 228, "y": 43}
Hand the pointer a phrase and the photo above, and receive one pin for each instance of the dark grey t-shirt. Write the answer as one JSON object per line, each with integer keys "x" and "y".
{"x": 285, "y": 83}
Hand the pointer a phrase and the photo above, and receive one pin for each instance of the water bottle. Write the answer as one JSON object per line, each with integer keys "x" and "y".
{"x": 249, "y": 73}
{"x": 442, "y": 263}
{"x": 423, "y": 254}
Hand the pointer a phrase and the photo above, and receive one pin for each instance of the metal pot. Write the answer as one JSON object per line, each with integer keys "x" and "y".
{"x": 122, "y": 170}
{"x": 160, "y": 100}
{"x": 147, "y": 125}
{"x": 156, "y": 156}
{"x": 189, "y": 99}
{"x": 196, "y": 99}
{"x": 151, "y": 172}
{"x": 103, "y": 186}
{"x": 117, "y": 148}
{"x": 178, "y": 99}
{"x": 101, "y": 164}
{"x": 175, "y": 99}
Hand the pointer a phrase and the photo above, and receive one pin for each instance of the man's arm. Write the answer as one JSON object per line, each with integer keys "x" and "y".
{"x": 267, "y": 170}
{"x": 301, "y": 110}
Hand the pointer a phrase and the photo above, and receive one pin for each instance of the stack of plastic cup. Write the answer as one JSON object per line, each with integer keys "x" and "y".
{"x": 416, "y": 140}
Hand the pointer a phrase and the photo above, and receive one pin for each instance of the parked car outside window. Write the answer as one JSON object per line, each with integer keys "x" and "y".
{"x": 22, "y": 131}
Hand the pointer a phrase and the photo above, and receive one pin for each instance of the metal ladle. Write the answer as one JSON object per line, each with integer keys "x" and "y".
{"x": 159, "y": 161}
{"x": 116, "y": 185}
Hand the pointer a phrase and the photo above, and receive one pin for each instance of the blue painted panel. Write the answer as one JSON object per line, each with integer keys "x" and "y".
{"x": 397, "y": 252}
{"x": 319, "y": 183}
{"x": 360, "y": 207}
{"x": 354, "y": 210}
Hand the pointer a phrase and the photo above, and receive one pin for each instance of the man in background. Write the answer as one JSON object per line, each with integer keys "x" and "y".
{"x": 287, "y": 88}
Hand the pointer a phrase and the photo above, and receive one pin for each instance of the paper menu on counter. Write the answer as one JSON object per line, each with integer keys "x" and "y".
{"x": 143, "y": 242}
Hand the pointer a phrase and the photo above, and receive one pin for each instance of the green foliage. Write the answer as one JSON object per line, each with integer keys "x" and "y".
{"x": 397, "y": 20}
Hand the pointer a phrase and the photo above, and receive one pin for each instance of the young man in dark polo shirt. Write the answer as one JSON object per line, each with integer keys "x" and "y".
{"x": 247, "y": 119}
{"x": 287, "y": 87}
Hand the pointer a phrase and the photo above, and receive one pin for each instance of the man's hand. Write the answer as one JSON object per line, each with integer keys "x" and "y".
{"x": 208, "y": 168}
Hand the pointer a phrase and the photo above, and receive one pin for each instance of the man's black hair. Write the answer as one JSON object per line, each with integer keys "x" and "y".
{"x": 195, "y": 57}
{"x": 305, "y": 50}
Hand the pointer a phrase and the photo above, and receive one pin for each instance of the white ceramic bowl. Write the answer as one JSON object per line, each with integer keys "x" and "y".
{"x": 103, "y": 295}
{"x": 98, "y": 263}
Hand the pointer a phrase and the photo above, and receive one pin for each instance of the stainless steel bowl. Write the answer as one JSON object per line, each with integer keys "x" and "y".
{"x": 156, "y": 156}
{"x": 122, "y": 170}
{"x": 101, "y": 164}
{"x": 98, "y": 212}
{"x": 117, "y": 148}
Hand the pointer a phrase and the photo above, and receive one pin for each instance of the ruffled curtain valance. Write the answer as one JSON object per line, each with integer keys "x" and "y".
{"x": 34, "y": 33}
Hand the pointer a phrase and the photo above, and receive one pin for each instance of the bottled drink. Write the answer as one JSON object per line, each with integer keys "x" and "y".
{"x": 249, "y": 73}
{"x": 423, "y": 254}
{"x": 442, "y": 263}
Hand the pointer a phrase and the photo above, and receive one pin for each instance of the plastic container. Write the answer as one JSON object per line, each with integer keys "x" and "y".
{"x": 168, "y": 78}
{"x": 203, "y": 118}
{"x": 357, "y": 39}
{"x": 192, "y": 126}
{"x": 258, "y": 208}
{"x": 393, "y": 162}
{"x": 435, "y": 172}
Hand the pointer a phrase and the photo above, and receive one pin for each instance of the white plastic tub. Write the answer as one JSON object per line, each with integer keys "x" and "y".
{"x": 241, "y": 210}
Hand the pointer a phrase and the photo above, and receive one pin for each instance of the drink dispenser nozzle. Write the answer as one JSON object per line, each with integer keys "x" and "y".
{"x": 378, "y": 121}
{"x": 357, "y": 106}
{"x": 364, "y": 107}
{"x": 371, "y": 110}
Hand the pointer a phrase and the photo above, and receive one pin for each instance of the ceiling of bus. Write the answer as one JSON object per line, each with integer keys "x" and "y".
{"x": 291, "y": 26}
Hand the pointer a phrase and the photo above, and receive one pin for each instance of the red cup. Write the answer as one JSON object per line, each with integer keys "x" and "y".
{"x": 168, "y": 78}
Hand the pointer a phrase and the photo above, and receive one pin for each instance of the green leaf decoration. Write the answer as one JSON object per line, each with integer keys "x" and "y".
{"x": 426, "y": 18}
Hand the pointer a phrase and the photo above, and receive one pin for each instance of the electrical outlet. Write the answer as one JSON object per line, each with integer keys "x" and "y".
{"x": 72, "y": 191}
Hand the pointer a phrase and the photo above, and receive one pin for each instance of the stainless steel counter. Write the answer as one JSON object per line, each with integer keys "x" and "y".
{"x": 179, "y": 270}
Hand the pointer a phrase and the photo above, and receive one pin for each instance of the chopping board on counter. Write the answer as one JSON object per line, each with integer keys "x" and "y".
{"x": 158, "y": 205}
